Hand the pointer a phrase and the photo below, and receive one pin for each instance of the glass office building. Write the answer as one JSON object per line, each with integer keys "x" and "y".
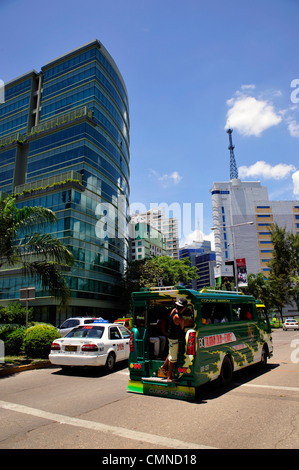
{"x": 64, "y": 144}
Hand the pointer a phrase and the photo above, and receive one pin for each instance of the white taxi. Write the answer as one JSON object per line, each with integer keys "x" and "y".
{"x": 96, "y": 344}
{"x": 290, "y": 324}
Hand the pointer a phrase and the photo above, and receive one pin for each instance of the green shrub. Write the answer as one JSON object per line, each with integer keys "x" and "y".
{"x": 38, "y": 340}
{"x": 14, "y": 342}
{"x": 6, "y": 330}
{"x": 14, "y": 312}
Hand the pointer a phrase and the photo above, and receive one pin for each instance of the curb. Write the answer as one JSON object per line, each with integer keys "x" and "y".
{"x": 13, "y": 370}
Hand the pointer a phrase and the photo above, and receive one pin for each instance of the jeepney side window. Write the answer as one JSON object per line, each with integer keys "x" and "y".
{"x": 140, "y": 316}
{"x": 206, "y": 314}
{"x": 242, "y": 312}
{"x": 213, "y": 313}
{"x": 262, "y": 315}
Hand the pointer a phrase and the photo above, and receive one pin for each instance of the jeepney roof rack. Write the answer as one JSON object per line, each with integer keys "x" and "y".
{"x": 161, "y": 288}
{"x": 213, "y": 291}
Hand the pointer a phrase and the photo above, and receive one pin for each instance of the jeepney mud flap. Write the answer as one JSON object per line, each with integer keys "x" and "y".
{"x": 160, "y": 388}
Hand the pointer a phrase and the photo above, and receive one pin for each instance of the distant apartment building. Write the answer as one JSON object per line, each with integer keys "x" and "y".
{"x": 146, "y": 241}
{"x": 64, "y": 145}
{"x": 166, "y": 225}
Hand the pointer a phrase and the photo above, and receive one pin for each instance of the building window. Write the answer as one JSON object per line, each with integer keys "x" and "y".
{"x": 220, "y": 192}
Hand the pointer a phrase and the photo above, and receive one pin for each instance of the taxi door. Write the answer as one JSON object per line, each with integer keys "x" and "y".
{"x": 117, "y": 342}
{"x": 126, "y": 336}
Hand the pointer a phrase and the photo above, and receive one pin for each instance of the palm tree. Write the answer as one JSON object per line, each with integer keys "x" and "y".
{"x": 39, "y": 255}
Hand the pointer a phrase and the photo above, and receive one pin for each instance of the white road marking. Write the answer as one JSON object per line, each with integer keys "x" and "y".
{"x": 101, "y": 427}
{"x": 274, "y": 387}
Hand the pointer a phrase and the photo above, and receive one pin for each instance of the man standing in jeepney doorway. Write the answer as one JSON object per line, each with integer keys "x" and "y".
{"x": 175, "y": 333}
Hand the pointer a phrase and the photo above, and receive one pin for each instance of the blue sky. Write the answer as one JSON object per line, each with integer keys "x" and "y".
{"x": 189, "y": 66}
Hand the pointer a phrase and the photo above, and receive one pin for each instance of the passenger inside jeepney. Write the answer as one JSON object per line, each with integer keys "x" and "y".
{"x": 140, "y": 317}
{"x": 212, "y": 314}
{"x": 206, "y": 315}
{"x": 158, "y": 332}
{"x": 219, "y": 314}
{"x": 245, "y": 313}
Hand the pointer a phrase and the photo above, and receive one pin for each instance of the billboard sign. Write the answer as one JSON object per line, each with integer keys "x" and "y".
{"x": 241, "y": 272}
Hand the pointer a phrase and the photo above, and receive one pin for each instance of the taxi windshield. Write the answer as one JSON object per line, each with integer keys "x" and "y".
{"x": 86, "y": 331}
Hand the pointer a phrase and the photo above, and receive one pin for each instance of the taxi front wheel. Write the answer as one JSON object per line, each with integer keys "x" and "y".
{"x": 110, "y": 363}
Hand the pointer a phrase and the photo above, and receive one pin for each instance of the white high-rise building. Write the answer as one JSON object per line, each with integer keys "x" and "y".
{"x": 242, "y": 216}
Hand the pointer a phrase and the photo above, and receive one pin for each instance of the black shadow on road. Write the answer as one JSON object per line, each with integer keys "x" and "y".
{"x": 90, "y": 371}
{"x": 212, "y": 390}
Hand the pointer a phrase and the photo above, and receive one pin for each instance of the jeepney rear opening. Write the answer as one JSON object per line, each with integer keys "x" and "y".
{"x": 149, "y": 341}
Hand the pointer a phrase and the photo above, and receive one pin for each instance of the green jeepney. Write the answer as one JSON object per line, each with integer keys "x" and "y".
{"x": 223, "y": 333}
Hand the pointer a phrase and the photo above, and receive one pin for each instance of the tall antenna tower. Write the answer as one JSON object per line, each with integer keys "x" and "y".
{"x": 233, "y": 165}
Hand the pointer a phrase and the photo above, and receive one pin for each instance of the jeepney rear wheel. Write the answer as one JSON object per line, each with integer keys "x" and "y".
{"x": 226, "y": 372}
{"x": 264, "y": 357}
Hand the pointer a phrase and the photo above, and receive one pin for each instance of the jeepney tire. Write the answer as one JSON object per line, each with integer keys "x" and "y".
{"x": 226, "y": 372}
{"x": 110, "y": 362}
{"x": 264, "y": 357}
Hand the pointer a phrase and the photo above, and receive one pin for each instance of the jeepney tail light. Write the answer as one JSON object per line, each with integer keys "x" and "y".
{"x": 131, "y": 342}
{"x": 55, "y": 346}
{"x": 191, "y": 343}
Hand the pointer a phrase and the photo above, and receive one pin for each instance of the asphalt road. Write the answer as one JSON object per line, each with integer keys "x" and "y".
{"x": 51, "y": 409}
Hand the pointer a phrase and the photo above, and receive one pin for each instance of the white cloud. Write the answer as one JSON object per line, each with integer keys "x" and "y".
{"x": 267, "y": 171}
{"x": 197, "y": 236}
{"x": 295, "y": 177}
{"x": 248, "y": 87}
{"x": 166, "y": 180}
{"x": 174, "y": 177}
{"x": 249, "y": 115}
{"x": 293, "y": 128}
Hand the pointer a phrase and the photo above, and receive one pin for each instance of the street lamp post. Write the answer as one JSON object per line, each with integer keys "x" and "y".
{"x": 234, "y": 247}
{"x": 27, "y": 294}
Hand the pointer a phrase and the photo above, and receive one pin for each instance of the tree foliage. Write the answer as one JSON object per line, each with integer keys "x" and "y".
{"x": 260, "y": 288}
{"x": 150, "y": 272}
{"x": 282, "y": 286}
{"x": 283, "y": 277}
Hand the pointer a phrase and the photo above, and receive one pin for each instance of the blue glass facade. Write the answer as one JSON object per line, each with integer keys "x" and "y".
{"x": 77, "y": 121}
{"x": 15, "y": 112}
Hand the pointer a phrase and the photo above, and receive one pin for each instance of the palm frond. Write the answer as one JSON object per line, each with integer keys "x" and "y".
{"x": 51, "y": 277}
{"x": 46, "y": 246}
{"x": 42, "y": 256}
{"x": 28, "y": 217}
